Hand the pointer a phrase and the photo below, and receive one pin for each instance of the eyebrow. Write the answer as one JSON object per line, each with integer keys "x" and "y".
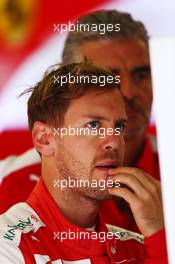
{"x": 97, "y": 117}
{"x": 144, "y": 68}
{"x": 141, "y": 68}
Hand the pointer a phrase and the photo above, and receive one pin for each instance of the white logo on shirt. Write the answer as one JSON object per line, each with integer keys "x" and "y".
{"x": 43, "y": 259}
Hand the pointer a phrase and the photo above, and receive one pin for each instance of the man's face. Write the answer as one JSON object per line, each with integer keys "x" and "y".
{"x": 89, "y": 157}
{"x": 130, "y": 59}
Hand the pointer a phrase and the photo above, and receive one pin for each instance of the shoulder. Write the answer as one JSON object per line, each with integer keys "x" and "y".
{"x": 23, "y": 170}
{"x": 16, "y": 162}
{"x": 153, "y": 142}
{"x": 10, "y": 254}
{"x": 18, "y": 220}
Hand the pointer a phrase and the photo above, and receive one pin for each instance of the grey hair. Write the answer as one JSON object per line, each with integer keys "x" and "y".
{"x": 129, "y": 29}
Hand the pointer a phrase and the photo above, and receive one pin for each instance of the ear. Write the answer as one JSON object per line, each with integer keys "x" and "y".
{"x": 42, "y": 138}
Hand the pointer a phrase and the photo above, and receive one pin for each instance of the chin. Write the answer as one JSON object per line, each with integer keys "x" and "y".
{"x": 97, "y": 195}
{"x": 103, "y": 196}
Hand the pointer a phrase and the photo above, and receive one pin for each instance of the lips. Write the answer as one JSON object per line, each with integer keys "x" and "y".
{"x": 107, "y": 165}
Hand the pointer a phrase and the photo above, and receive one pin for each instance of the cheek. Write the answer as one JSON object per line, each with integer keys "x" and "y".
{"x": 80, "y": 146}
{"x": 145, "y": 97}
{"x": 122, "y": 145}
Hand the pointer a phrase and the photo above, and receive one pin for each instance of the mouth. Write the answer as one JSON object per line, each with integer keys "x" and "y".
{"x": 107, "y": 165}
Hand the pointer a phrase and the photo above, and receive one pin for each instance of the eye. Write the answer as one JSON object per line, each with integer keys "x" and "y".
{"x": 141, "y": 74}
{"x": 93, "y": 124}
{"x": 120, "y": 127}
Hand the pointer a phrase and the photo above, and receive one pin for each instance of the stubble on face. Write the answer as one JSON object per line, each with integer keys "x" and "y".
{"x": 70, "y": 167}
{"x": 84, "y": 157}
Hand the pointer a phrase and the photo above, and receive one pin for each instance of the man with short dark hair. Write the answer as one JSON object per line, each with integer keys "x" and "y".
{"x": 63, "y": 220}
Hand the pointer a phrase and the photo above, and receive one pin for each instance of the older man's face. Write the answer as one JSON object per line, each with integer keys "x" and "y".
{"x": 130, "y": 59}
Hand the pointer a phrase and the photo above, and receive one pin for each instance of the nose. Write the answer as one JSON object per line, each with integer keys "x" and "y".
{"x": 112, "y": 142}
{"x": 127, "y": 87}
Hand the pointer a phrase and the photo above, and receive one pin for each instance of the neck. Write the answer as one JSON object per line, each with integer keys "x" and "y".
{"x": 133, "y": 150}
{"x": 77, "y": 208}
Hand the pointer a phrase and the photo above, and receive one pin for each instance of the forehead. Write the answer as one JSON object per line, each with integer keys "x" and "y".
{"x": 118, "y": 53}
{"x": 108, "y": 104}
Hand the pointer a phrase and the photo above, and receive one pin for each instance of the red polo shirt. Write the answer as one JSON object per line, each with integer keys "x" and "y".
{"x": 30, "y": 233}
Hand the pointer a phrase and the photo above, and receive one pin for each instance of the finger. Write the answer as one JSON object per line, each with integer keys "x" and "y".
{"x": 134, "y": 185}
{"x": 131, "y": 170}
{"x": 151, "y": 184}
{"x": 124, "y": 193}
